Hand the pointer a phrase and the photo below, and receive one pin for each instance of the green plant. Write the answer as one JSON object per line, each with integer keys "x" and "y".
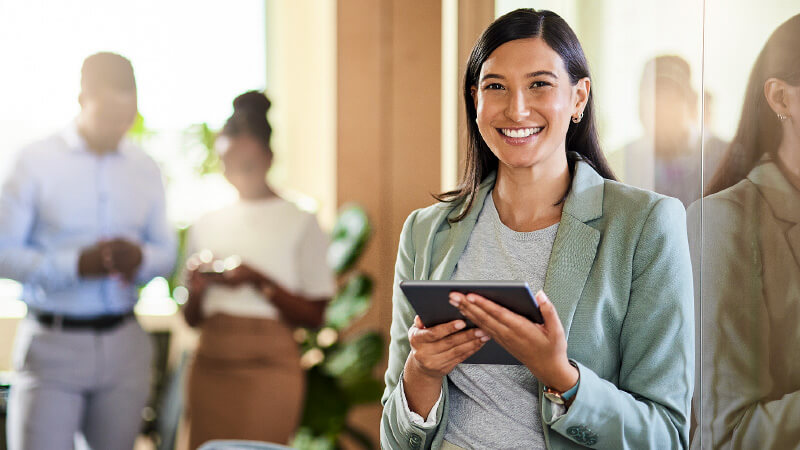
{"x": 201, "y": 136}
{"x": 340, "y": 373}
{"x": 139, "y": 131}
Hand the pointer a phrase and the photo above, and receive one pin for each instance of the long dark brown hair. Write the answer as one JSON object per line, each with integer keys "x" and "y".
{"x": 581, "y": 137}
{"x": 759, "y": 130}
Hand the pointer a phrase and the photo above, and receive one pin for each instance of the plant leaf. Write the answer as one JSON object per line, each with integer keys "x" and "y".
{"x": 350, "y": 303}
{"x": 349, "y": 235}
{"x": 354, "y": 360}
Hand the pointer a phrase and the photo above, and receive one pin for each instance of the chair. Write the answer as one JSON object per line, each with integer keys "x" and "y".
{"x": 170, "y": 405}
{"x": 241, "y": 445}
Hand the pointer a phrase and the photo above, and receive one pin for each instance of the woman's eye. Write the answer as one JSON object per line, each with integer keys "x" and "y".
{"x": 494, "y": 86}
{"x": 537, "y": 84}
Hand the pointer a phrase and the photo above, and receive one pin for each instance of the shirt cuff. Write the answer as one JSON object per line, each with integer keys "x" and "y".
{"x": 559, "y": 410}
{"x": 63, "y": 269}
{"x": 415, "y": 418}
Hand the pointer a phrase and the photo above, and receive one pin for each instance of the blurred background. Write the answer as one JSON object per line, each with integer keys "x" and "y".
{"x": 366, "y": 107}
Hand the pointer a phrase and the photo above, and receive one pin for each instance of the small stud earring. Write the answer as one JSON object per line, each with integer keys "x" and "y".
{"x": 578, "y": 118}
{"x": 782, "y": 117}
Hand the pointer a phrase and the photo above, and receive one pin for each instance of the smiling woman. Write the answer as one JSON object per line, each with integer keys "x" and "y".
{"x": 612, "y": 363}
{"x": 558, "y": 83}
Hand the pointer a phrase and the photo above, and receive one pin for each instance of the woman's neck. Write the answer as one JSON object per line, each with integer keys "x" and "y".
{"x": 260, "y": 192}
{"x": 529, "y": 199}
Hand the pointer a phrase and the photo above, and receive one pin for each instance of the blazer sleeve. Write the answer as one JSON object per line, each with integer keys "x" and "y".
{"x": 736, "y": 410}
{"x": 397, "y": 429}
{"x": 650, "y": 406}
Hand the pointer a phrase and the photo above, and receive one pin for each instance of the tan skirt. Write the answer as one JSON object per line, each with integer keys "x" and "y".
{"x": 245, "y": 382}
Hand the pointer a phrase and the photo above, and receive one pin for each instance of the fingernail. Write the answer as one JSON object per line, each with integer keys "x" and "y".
{"x": 454, "y": 300}
{"x": 479, "y": 333}
{"x": 460, "y": 325}
{"x": 471, "y": 298}
{"x": 485, "y": 338}
{"x": 541, "y": 297}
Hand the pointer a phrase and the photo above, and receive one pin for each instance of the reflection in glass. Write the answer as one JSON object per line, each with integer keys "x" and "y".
{"x": 667, "y": 157}
{"x": 749, "y": 265}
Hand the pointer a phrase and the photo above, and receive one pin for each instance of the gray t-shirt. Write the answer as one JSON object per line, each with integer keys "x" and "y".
{"x": 497, "y": 406}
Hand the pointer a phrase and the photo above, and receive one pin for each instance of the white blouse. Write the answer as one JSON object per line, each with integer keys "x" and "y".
{"x": 272, "y": 236}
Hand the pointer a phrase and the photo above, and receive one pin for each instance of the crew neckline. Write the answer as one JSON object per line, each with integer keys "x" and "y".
{"x": 507, "y": 232}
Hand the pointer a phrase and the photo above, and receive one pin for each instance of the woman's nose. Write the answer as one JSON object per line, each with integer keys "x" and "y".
{"x": 517, "y": 108}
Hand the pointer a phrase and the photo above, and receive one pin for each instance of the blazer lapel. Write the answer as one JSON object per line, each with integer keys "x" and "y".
{"x": 782, "y": 198}
{"x": 575, "y": 244}
{"x": 793, "y": 236}
{"x": 570, "y": 262}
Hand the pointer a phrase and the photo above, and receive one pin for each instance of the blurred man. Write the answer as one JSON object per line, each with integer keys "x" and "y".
{"x": 82, "y": 223}
{"x": 667, "y": 159}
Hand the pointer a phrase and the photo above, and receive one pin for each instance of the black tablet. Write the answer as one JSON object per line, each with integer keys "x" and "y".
{"x": 430, "y": 300}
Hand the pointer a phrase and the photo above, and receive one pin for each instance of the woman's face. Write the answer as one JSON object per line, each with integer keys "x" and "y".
{"x": 793, "y": 112}
{"x": 524, "y": 101}
{"x": 245, "y": 162}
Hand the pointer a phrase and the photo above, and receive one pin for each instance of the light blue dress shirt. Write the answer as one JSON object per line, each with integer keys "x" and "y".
{"x": 60, "y": 198}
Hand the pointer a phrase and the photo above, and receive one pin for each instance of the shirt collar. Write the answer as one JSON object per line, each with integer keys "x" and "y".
{"x": 76, "y": 143}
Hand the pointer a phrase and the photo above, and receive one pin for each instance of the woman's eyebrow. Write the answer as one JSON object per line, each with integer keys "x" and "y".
{"x": 530, "y": 75}
{"x": 543, "y": 72}
{"x": 492, "y": 75}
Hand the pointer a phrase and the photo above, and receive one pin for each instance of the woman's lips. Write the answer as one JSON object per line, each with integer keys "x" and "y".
{"x": 519, "y": 136}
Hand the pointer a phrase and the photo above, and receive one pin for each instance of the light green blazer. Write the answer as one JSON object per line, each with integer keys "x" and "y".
{"x": 749, "y": 258}
{"x": 620, "y": 277}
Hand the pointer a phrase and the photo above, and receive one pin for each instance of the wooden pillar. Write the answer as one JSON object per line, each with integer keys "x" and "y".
{"x": 473, "y": 17}
{"x": 388, "y": 133}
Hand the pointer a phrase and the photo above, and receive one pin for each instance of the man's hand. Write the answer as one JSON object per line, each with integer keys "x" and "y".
{"x": 92, "y": 264}
{"x": 113, "y": 257}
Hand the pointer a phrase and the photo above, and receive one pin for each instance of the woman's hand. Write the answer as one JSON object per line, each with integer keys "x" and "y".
{"x": 197, "y": 282}
{"x": 541, "y": 347}
{"x": 244, "y": 274}
{"x": 435, "y": 351}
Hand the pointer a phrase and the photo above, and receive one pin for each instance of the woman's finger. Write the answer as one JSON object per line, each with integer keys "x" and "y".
{"x": 460, "y": 352}
{"x": 433, "y": 334}
{"x": 456, "y": 339}
{"x": 482, "y": 319}
{"x": 498, "y": 312}
{"x": 552, "y": 322}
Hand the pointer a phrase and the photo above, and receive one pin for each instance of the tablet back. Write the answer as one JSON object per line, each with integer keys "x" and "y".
{"x": 430, "y": 300}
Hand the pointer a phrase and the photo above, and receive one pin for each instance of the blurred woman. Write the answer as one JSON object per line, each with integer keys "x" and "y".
{"x": 748, "y": 261}
{"x": 611, "y": 367}
{"x": 257, "y": 269}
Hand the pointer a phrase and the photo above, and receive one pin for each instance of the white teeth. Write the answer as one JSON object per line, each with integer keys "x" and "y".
{"x": 520, "y": 132}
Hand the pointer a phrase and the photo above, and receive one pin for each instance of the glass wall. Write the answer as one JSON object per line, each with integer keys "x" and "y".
{"x": 697, "y": 101}
{"x": 746, "y": 239}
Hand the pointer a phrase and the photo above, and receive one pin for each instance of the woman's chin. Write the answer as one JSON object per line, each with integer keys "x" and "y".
{"x": 518, "y": 161}
{"x": 527, "y": 158}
